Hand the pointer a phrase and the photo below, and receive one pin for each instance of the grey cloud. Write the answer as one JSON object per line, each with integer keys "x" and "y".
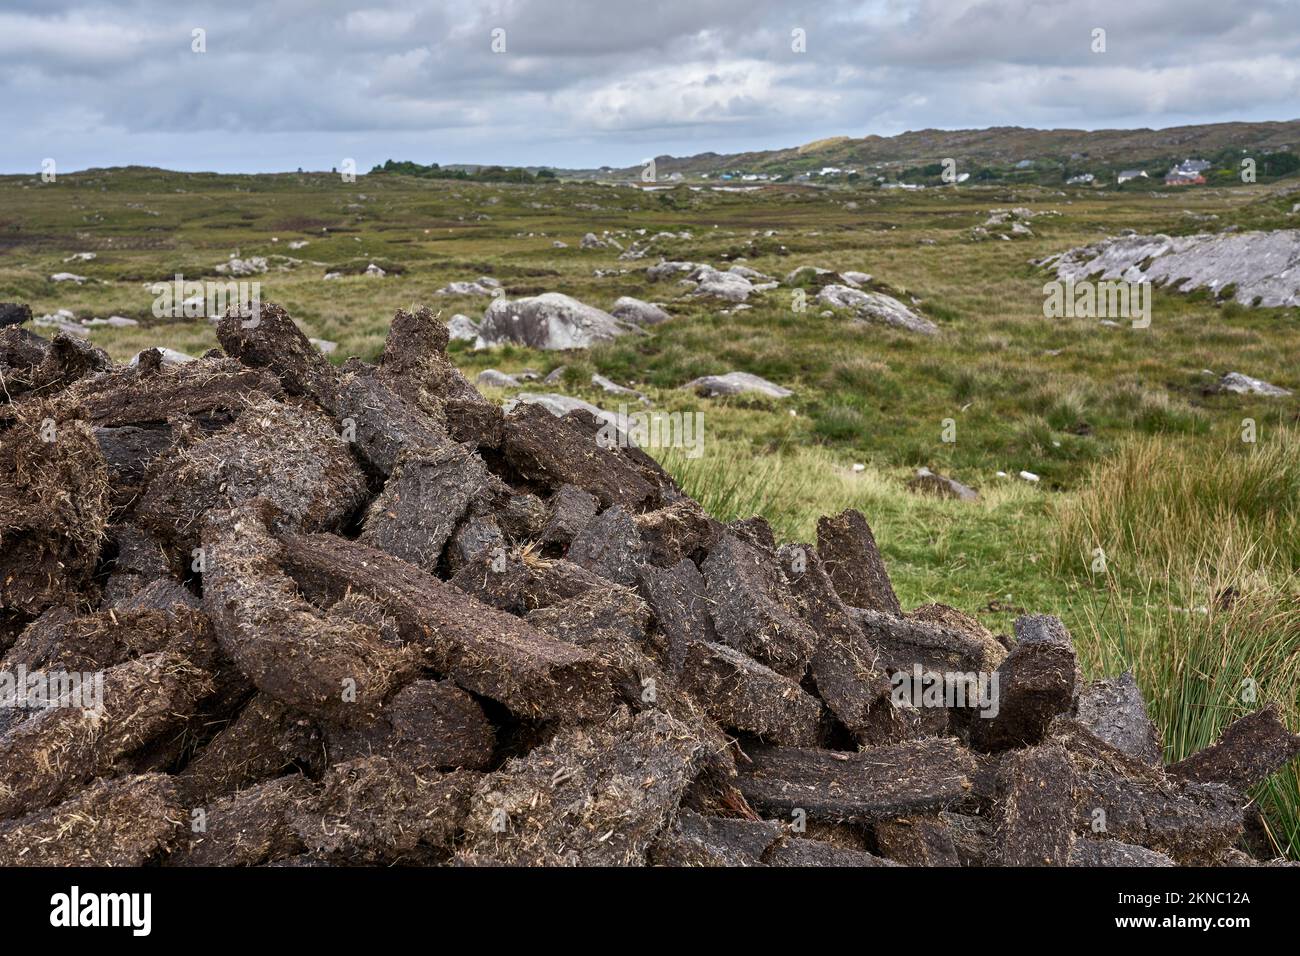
{"x": 609, "y": 81}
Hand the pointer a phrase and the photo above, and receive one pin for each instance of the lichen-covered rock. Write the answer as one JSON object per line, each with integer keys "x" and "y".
{"x": 1259, "y": 267}
{"x": 877, "y": 307}
{"x": 638, "y": 312}
{"x": 548, "y": 321}
{"x": 736, "y": 383}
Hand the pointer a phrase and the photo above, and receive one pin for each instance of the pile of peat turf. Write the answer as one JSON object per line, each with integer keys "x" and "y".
{"x": 257, "y": 609}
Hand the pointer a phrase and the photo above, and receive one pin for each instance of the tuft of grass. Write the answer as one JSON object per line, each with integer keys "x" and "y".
{"x": 840, "y": 423}
{"x": 980, "y": 557}
{"x": 1162, "y": 506}
{"x": 1202, "y": 667}
{"x": 1198, "y": 592}
{"x": 1201, "y": 664}
{"x": 768, "y": 486}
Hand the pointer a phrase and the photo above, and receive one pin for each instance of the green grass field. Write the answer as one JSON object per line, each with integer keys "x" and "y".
{"x": 1137, "y": 457}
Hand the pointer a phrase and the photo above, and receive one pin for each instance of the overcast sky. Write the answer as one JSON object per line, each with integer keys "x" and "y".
{"x": 582, "y": 83}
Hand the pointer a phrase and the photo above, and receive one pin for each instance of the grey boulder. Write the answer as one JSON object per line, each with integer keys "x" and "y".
{"x": 638, "y": 312}
{"x": 1262, "y": 268}
{"x": 491, "y": 378}
{"x": 461, "y": 328}
{"x": 1245, "y": 385}
{"x": 736, "y": 383}
{"x": 876, "y": 307}
{"x": 551, "y": 320}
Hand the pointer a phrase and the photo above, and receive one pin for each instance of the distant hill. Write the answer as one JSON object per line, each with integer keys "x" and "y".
{"x": 999, "y": 154}
{"x": 1052, "y": 153}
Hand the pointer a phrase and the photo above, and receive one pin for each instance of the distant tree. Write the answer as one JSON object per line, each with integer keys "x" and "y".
{"x": 1278, "y": 164}
{"x": 484, "y": 174}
